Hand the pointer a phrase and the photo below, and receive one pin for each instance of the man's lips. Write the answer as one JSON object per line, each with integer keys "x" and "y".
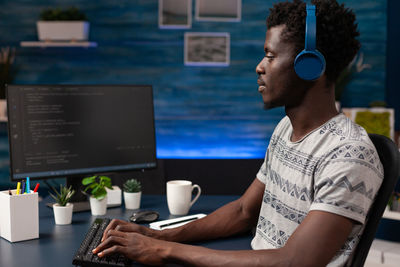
{"x": 261, "y": 85}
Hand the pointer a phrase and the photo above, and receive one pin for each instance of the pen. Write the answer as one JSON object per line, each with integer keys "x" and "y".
{"x": 23, "y": 187}
{"x": 28, "y": 185}
{"x": 36, "y": 188}
{"x": 18, "y": 187}
{"x": 176, "y": 222}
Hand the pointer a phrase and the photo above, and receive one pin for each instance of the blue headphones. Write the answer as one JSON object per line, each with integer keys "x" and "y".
{"x": 310, "y": 63}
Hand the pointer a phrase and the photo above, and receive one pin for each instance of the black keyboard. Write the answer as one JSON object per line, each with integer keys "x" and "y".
{"x": 84, "y": 255}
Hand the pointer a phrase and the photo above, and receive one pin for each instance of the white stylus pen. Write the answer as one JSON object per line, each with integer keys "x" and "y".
{"x": 181, "y": 221}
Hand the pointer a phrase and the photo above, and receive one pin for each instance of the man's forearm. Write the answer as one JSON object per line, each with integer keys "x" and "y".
{"x": 228, "y": 220}
{"x": 188, "y": 255}
{"x": 233, "y": 218}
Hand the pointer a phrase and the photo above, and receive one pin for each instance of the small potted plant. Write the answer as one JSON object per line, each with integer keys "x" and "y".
{"x": 98, "y": 195}
{"x": 58, "y": 24}
{"x": 63, "y": 209}
{"x": 132, "y": 194}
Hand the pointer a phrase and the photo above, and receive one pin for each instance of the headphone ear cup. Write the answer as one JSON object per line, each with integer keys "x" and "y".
{"x": 309, "y": 65}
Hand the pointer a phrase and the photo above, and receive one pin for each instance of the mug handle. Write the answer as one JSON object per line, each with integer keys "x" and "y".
{"x": 197, "y": 195}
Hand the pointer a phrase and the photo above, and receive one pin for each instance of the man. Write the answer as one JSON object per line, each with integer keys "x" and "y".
{"x": 320, "y": 175}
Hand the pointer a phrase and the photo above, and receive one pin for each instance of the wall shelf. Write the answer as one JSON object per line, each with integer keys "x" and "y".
{"x": 44, "y": 44}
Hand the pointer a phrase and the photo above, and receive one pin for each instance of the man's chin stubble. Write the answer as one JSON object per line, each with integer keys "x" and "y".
{"x": 268, "y": 106}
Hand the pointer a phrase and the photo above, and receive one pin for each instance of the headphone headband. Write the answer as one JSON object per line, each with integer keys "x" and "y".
{"x": 311, "y": 28}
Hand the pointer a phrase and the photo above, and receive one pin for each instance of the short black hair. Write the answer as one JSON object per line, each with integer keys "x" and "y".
{"x": 336, "y": 31}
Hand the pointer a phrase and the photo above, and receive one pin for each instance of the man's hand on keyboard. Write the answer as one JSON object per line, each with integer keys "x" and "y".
{"x": 125, "y": 226}
{"x": 122, "y": 239}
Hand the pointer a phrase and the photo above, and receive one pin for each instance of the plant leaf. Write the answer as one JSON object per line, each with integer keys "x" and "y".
{"x": 95, "y": 190}
{"x": 88, "y": 180}
{"x": 102, "y": 193}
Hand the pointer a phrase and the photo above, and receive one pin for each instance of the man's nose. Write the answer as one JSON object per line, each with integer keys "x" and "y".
{"x": 260, "y": 68}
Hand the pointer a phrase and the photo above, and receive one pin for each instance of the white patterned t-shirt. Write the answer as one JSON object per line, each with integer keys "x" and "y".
{"x": 335, "y": 168}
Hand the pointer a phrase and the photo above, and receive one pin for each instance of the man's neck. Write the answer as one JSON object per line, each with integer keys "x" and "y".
{"x": 317, "y": 107}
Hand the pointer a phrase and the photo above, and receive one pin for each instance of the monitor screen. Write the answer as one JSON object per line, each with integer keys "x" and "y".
{"x": 68, "y": 130}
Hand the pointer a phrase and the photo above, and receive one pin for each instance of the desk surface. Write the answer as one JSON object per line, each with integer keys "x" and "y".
{"x": 57, "y": 244}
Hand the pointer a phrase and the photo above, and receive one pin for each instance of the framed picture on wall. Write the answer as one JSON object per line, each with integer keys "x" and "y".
{"x": 174, "y": 14}
{"x": 207, "y": 49}
{"x": 219, "y": 10}
{"x": 374, "y": 120}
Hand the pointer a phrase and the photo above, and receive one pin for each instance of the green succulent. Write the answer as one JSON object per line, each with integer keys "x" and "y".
{"x": 97, "y": 186}
{"x": 132, "y": 186}
{"x": 62, "y": 197}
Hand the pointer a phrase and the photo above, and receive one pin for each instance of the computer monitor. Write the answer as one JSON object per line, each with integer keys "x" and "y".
{"x": 74, "y": 131}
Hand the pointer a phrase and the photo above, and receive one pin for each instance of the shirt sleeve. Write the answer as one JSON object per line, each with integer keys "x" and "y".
{"x": 347, "y": 181}
{"x": 262, "y": 173}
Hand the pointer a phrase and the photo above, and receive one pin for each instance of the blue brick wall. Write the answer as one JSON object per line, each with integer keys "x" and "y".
{"x": 201, "y": 112}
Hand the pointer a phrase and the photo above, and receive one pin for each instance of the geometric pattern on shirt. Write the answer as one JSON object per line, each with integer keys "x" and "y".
{"x": 271, "y": 233}
{"x": 342, "y": 204}
{"x": 287, "y": 187}
{"x": 344, "y": 182}
{"x": 286, "y": 211}
{"x": 344, "y": 130}
{"x": 291, "y": 157}
{"x": 357, "y": 154}
{"x": 333, "y": 128}
{"x": 350, "y": 244}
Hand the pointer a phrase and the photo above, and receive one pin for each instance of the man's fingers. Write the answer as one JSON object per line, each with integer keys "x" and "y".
{"x": 127, "y": 227}
{"x": 111, "y": 250}
{"x": 112, "y": 232}
{"x": 114, "y": 237}
{"x": 112, "y": 225}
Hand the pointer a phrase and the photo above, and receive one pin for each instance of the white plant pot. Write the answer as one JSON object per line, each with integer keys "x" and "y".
{"x": 63, "y": 214}
{"x": 132, "y": 200}
{"x": 98, "y": 207}
{"x": 63, "y": 30}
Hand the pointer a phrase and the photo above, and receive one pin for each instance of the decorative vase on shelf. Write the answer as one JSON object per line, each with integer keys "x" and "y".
{"x": 56, "y": 24}
{"x": 63, "y": 30}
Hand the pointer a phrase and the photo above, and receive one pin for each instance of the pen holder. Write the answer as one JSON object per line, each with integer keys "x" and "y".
{"x": 19, "y": 217}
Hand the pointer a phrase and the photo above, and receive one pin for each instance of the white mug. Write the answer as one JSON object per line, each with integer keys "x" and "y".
{"x": 179, "y": 196}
